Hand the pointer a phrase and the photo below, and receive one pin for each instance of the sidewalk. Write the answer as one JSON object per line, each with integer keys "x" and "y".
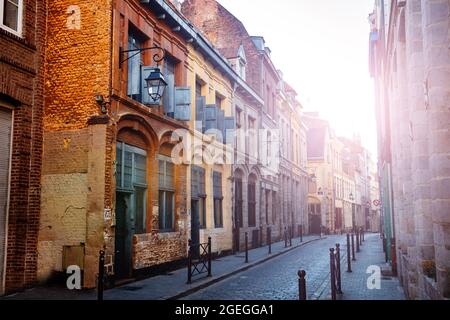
{"x": 354, "y": 284}
{"x": 169, "y": 286}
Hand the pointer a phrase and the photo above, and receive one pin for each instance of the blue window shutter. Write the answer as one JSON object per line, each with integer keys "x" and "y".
{"x": 169, "y": 95}
{"x": 183, "y": 109}
{"x": 200, "y": 106}
{"x": 211, "y": 112}
{"x": 230, "y": 129}
{"x": 221, "y": 124}
{"x": 145, "y": 96}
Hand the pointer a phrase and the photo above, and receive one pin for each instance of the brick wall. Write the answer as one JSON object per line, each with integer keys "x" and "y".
{"x": 21, "y": 74}
{"x": 75, "y": 175}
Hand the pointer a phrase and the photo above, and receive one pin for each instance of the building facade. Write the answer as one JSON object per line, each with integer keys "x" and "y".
{"x": 22, "y": 40}
{"x": 409, "y": 60}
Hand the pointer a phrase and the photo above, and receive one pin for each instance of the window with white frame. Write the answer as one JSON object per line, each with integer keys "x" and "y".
{"x": 11, "y": 15}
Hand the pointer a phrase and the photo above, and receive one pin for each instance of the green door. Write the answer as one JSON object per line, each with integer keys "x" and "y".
{"x": 131, "y": 197}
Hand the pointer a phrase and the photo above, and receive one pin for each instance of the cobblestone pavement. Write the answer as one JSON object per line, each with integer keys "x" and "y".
{"x": 277, "y": 279}
{"x": 169, "y": 285}
{"x": 354, "y": 284}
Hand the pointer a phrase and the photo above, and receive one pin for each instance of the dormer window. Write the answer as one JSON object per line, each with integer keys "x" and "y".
{"x": 241, "y": 63}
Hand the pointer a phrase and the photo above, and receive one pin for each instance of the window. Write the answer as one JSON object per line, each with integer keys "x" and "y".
{"x": 239, "y": 203}
{"x": 251, "y": 202}
{"x": 131, "y": 177}
{"x": 199, "y": 192}
{"x": 166, "y": 199}
{"x": 274, "y": 207}
{"x": 169, "y": 93}
{"x": 218, "y": 199}
{"x": 134, "y": 66}
{"x": 219, "y": 100}
{"x": 11, "y": 13}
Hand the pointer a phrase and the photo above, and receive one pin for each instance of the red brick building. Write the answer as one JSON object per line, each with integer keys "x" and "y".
{"x": 107, "y": 179}
{"x": 22, "y": 36}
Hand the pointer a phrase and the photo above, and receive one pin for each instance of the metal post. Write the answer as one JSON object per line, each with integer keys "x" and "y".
{"x": 394, "y": 257}
{"x": 301, "y": 285}
{"x": 269, "y": 239}
{"x": 349, "y": 262}
{"x": 285, "y": 237}
{"x": 246, "y": 247}
{"x": 209, "y": 257}
{"x": 333, "y": 275}
{"x": 301, "y": 233}
{"x": 338, "y": 268}
{"x": 101, "y": 273}
{"x": 189, "y": 269}
{"x": 353, "y": 247}
{"x": 361, "y": 237}
{"x": 357, "y": 240}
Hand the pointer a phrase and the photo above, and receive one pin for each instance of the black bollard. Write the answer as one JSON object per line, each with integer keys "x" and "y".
{"x": 301, "y": 285}
{"x": 338, "y": 268}
{"x": 269, "y": 239}
{"x": 353, "y": 247}
{"x": 332, "y": 275}
{"x": 357, "y": 240}
{"x": 101, "y": 273}
{"x": 246, "y": 247}
{"x": 301, "y": 233}
{"x": 209, "y": 257}
{"x": 349, "y": 262}
{"x": 285, "y": 237}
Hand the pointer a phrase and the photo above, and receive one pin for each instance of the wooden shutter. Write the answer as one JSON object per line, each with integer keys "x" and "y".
{"x": 211, "y": 113}
{"x": 183, "y": 109}
{"x": 221, "y": 124}
{"x": 5, "y": 145}
{"x": 230, "y": 129}
{"x": 200, "y": 106}
{"x": 146, "y": 70}
{"x": 169, "y": 95}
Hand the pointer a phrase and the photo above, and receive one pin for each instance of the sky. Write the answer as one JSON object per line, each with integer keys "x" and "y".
{"x": 321, "y": 46}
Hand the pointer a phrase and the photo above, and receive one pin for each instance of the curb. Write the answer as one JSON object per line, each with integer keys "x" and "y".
{"x": 239, "y": 270}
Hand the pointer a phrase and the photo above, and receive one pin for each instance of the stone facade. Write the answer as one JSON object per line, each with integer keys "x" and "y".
{"x": 22, "y": 98}
{"x": 410, "y": 62}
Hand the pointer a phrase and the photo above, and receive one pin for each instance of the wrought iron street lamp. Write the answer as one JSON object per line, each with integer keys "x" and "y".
{"x": 156, "y": 84}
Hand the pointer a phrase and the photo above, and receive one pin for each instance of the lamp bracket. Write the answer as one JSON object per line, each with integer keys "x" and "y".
{"x": 157, "y": 57}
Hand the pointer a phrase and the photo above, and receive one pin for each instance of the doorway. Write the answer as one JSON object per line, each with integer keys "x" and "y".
{"x": 131, "y": 200}
{"x": 124, "y": 235}
{"x": 5, "y": 156}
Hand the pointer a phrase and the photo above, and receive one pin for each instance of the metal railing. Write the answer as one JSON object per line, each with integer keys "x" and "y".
{"x": 199, "y": 259}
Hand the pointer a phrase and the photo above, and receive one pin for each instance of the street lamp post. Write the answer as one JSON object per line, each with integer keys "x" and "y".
{"x": 351, "y": 198}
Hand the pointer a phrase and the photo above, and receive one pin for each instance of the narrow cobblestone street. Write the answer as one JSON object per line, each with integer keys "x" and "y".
{"x": 277, "y": 279}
